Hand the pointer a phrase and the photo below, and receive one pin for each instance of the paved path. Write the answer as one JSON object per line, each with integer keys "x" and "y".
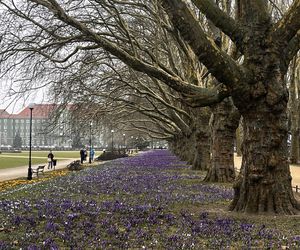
{"x": 17, "y": 172}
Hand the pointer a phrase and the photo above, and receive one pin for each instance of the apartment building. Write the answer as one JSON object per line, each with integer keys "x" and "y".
{"x": 44, "y": 132}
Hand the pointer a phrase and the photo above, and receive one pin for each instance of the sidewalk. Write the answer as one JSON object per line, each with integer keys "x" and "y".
{"x": 18, "y": 172}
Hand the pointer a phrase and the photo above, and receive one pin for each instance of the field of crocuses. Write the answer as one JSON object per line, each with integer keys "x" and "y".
{"x": 150, "y": 201}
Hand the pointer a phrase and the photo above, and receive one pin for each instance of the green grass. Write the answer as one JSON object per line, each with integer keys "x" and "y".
{"x": 57, "y": 154}
{"x": 10, "y": 160}
{"x": 17, "y": 162}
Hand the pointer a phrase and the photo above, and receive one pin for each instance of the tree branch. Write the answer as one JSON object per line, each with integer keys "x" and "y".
{"x": 288, "y": 26}
{"x": 218, "y": 63}
{"x": 292, "y": 48}
{"x": 137, "y": 64}
{"x": 221, "y": 20}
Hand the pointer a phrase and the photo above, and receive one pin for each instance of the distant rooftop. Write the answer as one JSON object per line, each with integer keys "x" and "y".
{"x": 39, "y": 111}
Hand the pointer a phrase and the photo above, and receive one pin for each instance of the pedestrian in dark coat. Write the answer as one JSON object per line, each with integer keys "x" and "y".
{"x": 50, "y": 159}
{"x": 82, "y": 154}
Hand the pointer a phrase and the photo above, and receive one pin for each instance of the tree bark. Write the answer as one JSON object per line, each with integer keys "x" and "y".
{"x": 184, "y": 148}
{"x": 202, "y": 152}
{"x": 265, "y": 181}
{"x": 225, "y": 120}
{"x": 202, "y": 139}
{"x": 239, "y": 139}
{"x": 293, "y": 108}
{"x": 294, "y": 147}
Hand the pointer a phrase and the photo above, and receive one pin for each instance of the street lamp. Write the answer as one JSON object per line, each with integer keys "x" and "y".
{"x": 90, "y": 159}
{"x": 112, "y": 140}
{"x": 29, "y": 177}
{"x": 124, "y": 142}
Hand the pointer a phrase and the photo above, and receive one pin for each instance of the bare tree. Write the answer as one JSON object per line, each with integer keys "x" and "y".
{"x": 258, "y": 90}
{"x": 257, "y": 86}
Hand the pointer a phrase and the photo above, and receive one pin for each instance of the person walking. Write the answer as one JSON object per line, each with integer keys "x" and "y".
{"x": 50, "y": 159}
{"x": 92, "y": 154}
{"x": 85, "y": 154}
{"x": 82, "y": 154}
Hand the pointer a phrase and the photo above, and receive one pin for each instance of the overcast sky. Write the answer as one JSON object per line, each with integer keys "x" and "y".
{"x": 14, "y": 104}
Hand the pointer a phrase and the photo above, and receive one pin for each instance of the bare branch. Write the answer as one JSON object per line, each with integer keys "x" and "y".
{"x": 292, "y": 48}
{"x": 219, "y": 63}
{"x": 276, "y": 7}
{"x": 288, "y": 26}
{"x": 135, "y": 63}
{"x": 221, "y": 20}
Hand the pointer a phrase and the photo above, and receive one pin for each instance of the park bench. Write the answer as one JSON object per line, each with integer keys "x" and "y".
{"x": 39, "y": 169}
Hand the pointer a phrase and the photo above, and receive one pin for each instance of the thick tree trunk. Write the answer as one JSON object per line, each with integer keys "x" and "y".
{"x": 189, "y": 149}
{"x": 225, "y": 120}
{"x": 184, "y": 148}
{"x": 202, "y": 153}
{"x": 239, "y": 138}
{"x": 265, "y": 181}
{"x": 202, "y": 134}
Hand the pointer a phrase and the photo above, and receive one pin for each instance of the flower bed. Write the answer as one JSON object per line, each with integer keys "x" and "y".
{"x": 150, "y": 201}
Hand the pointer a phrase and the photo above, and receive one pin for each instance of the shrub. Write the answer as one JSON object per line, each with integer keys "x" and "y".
{"x": 74, "y": 166}
{"x": 106, "y": 156}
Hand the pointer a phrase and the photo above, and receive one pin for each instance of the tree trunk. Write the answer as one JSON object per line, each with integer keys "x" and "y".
{"x": 293, "y": 108}
{"x": 225, "y": 120}
{"x": 189, "y": 149}
{"x": 294, "y": 147}
{"x": 184, "y": 148}
{"x": 239, "y": 138}
{"x": 202, "y": 153}
{"x": 202, "y": 139}
{"x": 265, "y": 181}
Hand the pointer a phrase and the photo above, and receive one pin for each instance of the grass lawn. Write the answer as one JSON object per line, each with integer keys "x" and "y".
{"x": 17, "y": 162}
{"x": 58, "y": 154}
{"x": 10, "y": 160}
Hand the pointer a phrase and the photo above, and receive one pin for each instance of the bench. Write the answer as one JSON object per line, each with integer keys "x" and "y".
{"x": 39, "y": 169}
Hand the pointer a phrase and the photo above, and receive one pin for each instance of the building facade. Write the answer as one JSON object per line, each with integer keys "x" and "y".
{"x": 49, "y": 130}
{"x": 45, "y": 133}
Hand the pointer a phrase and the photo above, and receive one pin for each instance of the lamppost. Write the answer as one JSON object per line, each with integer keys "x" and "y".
{"x": 112, "y": 140}
{"x": 90, "y": 159}
{"x": 124, "y": 143}
{"x": 29, "y": 177}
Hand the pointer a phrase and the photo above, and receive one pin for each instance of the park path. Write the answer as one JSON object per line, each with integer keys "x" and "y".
{"x": 18, "y": 172}
{"x": 295, "y": 170}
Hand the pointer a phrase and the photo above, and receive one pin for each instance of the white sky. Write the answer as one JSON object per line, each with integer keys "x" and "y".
{"x": 14, "y": 104}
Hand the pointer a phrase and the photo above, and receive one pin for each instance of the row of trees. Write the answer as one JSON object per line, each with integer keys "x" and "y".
{"x": 156, "y": 66}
